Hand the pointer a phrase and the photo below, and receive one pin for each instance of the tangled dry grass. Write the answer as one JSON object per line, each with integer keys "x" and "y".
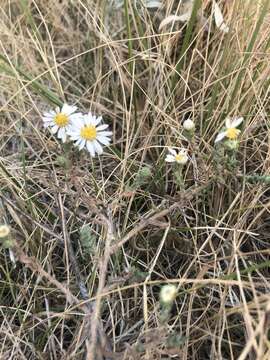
{"x": 93, "y": 240}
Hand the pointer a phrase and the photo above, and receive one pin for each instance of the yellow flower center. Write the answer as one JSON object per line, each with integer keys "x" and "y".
{"x": 232, "y": 133}
{"x": 179, "y": 157}
{"x": 89, "y": 132}
{"x": 61, "y": 120}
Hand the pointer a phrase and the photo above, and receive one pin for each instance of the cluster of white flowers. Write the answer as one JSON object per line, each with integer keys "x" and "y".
{"x": 85, "y": 130}
{"x": 181, "y": 155}
{"x": 230, "y": 132}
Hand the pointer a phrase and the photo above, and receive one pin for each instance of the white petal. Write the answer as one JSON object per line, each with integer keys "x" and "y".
{"x": 172, "y": 151}
{"x": 48, "y": 124}
{"x": 89, "y": 119}
{"x": 49, "y": 114}
{"x": 98, "y": 147}
{"x": 220, "y": 136}
{"x": 182, "y": 151}
{"x": 46, "y": 119}
{"x": 74, "y": 130}
{"x": 74, "y": 136}
{"x": 77, "y": 122}
{"x": 104, "y": 140}
{"x": 78, "y": 142}
{"x": 82, "y": 144}
{"x": 68, "y": 110}
{"x": 54, "y": 129}
{"x": 69, "y": 127}
{"x": 64, "y": 137}
{"x": 98, "y": 120}
{"x": 228, "y": 122}
{"x": 90, "y": 148}
{"x": 75, "y": 116}
{"x": 104, "y": 133}
{"x": 170, "y": 158}
{"x": 237, "y": 121}
{"x": 102, "y": 127}
{"x": 61, "y": 133}
{"x": 171, "y": 19}
{"x": 219, "y": 20}
{"x": 224, "y": 28}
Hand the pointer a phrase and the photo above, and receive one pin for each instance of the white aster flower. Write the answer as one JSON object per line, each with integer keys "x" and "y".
{"x": 86, "y": 132}
{"x": 59, "y": 120}
{"x": 231, "y": 132}
{"x": 181, "y": 157}
{"x": 189, "y": 125}
{"x": 168, "y": 293}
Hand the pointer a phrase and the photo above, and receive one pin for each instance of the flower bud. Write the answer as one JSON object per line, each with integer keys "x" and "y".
{"x": 189, "y": 125}
{"x": 168, "y": 294}
{"x": 6, "y": 241}
{"x": 4, "y": 231}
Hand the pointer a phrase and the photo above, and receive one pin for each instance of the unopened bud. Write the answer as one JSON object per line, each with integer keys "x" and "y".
{"x": 5, "y": 238}
{"x": 168, "y": 294}
{"x": 4, "y": 231}
{"x": 189, "y": 125}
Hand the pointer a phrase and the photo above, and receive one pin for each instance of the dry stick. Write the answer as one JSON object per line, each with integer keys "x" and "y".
{"x": 109, "y": 250}
{"x": 32, "y": 221}
{"x": 72, "y": 257}
{"x": 35, "y": 266}
{"x": 258, "y": 331}
{"x": 103, "y": 266}
{"x": 99, "y": 333}
{"x": 32, "y": 262}
{"x": 145, "y": 222}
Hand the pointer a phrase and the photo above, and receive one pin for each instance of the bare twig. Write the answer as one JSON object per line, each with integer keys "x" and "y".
{"x": 152, "y": 219}
{"x": 103, "y": 265}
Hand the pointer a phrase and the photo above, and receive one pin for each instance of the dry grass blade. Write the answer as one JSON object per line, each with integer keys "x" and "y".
{"x": 178, "y": 199}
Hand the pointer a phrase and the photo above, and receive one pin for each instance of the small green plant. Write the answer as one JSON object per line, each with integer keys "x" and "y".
{"x": 88, "y": 240}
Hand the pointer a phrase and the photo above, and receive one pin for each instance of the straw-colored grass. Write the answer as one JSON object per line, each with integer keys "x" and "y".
{"x": 95, "y": 239}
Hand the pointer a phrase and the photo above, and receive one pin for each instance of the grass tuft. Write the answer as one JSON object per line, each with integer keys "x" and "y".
{"x": 127, "y": 255}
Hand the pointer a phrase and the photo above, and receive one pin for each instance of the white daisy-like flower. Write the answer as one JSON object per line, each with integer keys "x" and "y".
{"x": 86, "y": 132}
{"x": 231, "y": 132}
{"x": 180, "y": 157}
{"x": 59, "y": 120}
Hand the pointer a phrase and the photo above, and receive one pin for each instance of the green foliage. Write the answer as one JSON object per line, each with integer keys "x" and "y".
{"x": 258, "y": 179}
{"x": 88, "y": 240}
{"x": 142, "y": 177}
